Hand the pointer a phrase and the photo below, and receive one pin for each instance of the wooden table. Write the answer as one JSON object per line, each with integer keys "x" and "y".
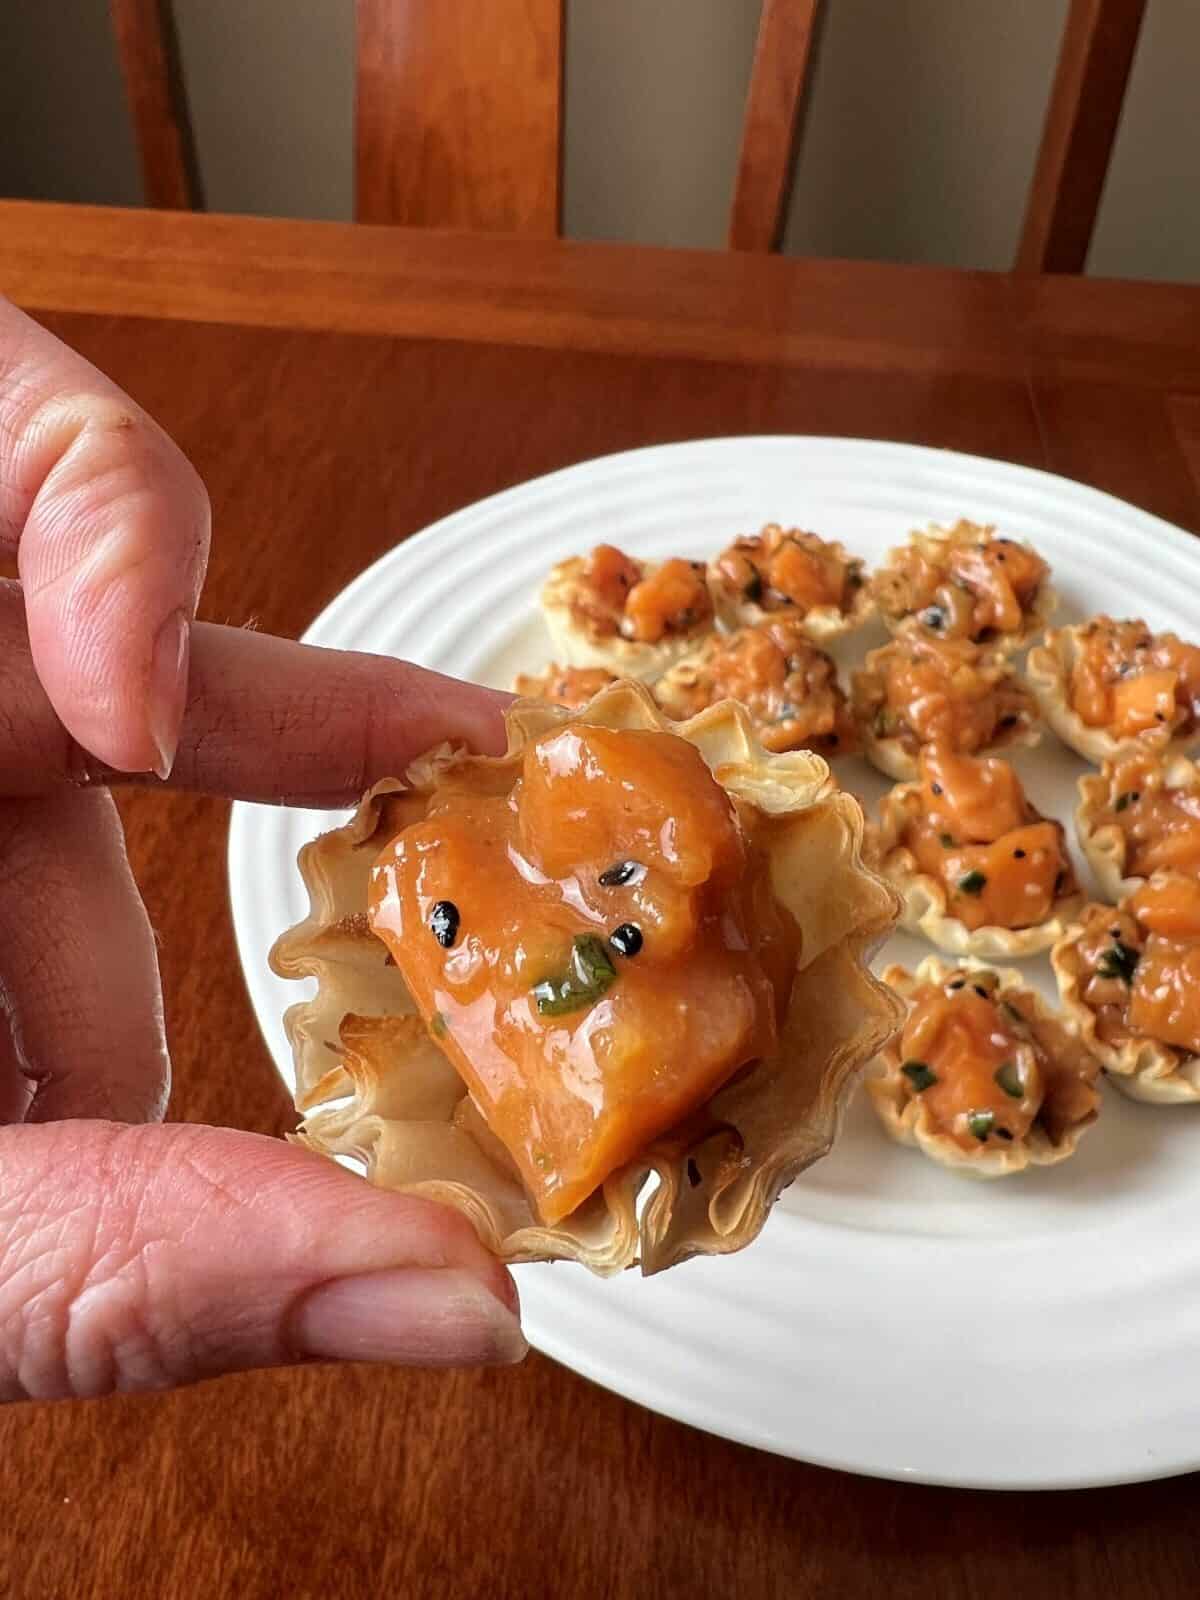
{"x": 338, "y": 388}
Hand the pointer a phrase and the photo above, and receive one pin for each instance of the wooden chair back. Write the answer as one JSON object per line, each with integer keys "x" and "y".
{"x": 458, "y": 118}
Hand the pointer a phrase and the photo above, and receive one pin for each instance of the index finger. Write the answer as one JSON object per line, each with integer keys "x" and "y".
{"x": 110, "y": 525}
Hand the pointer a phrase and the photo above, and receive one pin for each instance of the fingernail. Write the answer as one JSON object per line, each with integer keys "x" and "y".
{"x": 168, "y": 688}
{"x": 414, "y": 1316}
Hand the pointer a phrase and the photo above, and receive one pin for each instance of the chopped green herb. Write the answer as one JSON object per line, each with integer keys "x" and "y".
{"x": 1129, "y": 798}
{"x": 1009, "y": 1080}
{"x": 947, "y": 841}
{"x": 919, "y": 1075}
{"x": 541, "y": 1160}
{"x": 973, "y": 882}
{"x": 883, "y": 724}
{"x": 1118, "y": 961}
{"x": 588, "y": 975}
{"x": 438, "y": 1025}
{"x": 981, "y": 1123}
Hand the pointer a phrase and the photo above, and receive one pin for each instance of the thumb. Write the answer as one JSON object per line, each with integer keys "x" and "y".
{"x": 142, "y": 1257}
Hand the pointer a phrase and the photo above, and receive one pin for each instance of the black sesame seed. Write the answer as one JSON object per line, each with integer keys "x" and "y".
{"x": 980, "y": 991}
{"x": 693, "y": 1172}
{"x": 621, "y": 872}
{"x": 935, "y": 788}
{"x": 1003, "y": 1133}
{"x": 443, "y": 923}
{"x": 1019, "y": 855}
{"x": 1008, "y": 722}
{"x": 627, "y": 939}
{"x": 959, "y": 983}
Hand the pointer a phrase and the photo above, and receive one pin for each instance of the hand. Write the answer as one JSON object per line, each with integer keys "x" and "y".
{"x": 137, "y": 1256}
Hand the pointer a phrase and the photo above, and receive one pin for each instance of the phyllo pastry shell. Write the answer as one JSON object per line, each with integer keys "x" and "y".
{"x": 917, "y": 691}
{"x": 564, "y": 686}
{"x": 794, "y": 910}
{"x": 1109, "y": 688}
{"x": 788, "y": 686}
{"x": 980, "y": 870}
{"x": 1137, "y": 816}
{"x": 983, "y": 1076}
{"x": 790, "y": 572}
{"x": 965, "y": 583}
{"x": 1129, "y": 977}
{"x": 632, "y": 618}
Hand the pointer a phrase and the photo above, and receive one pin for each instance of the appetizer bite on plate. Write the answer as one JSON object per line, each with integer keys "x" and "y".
{"x": 980, "y": 870}
{"x": 917, "y": 691}
{"x": 564, "y": 686}
{"x": 965, "y": 583}
{"x": 1137, "y": 816}
{"x": 625, "y": 947}
{"x": 983, "y": 1077}
{"x": 799, "y": 574}
{"x": 633, "y": 618}
{"x": 788, "y": 686}
{"x": 1111, "y": 688}
{"x": 1130, "y": 979}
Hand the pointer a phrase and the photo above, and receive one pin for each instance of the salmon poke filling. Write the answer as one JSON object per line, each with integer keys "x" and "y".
{"x": 1141, "y": 965}
{"x": 985, "y": 1067}
{"x": 789, "y": 687}
{"x": 591, "y": 935}
{"x": 971, "y": 828}
{"x": 922, "y": 691}
{"x": 963, "y": 586}
{"x": 616, "y": 596}
{"x": 1134, "y": 683}
{"x": 786, "y": 569}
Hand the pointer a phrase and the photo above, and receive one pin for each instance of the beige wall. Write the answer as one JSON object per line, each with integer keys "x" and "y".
{"x": 919, "y": 142}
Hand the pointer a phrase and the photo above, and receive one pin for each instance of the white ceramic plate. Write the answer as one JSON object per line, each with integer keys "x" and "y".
{"x": 892, "y": 1318}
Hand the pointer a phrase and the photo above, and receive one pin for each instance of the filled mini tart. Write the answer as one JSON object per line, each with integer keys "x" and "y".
{"x": 633, "y": 618}
{"x": 965, "y": 583}
{"x": 1110, "y": 688}
{"x": 564, "y": 686}
{"x": 624, "y": 948}
{"x": 980, "y": 870}
{"x": 983, "y": 1077}
{"x": 788, "y": 686}
{"x": 917, "y": 691}
{"x": 1137, "y": 816}
{"x": 1129, "y": 977}
{"x": 789, "y": 571}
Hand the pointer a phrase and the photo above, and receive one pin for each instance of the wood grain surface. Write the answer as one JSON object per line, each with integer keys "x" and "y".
{"x": 783, "y": 54}
{"x": 322, "y": 445}
{"x": 458, "y": 114}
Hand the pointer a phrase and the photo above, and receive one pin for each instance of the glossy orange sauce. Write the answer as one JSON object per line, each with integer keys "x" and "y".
{"x": 1135, "y": 683}
{"x": 963, "y": 589}
{"x": 972, "y": 829}
{"x": 923, "y": 691}
{"x": 520, "y": 852}
{"x": 565, "y": 686}
{"x": 1142, "y": 964}
{"x": 619, "y": 596}
{"x": 1161, "y": 825}
{"x": 997, "y": 1068}
{"x": 786, "y": 568}
{"x": 788, "y": 686}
